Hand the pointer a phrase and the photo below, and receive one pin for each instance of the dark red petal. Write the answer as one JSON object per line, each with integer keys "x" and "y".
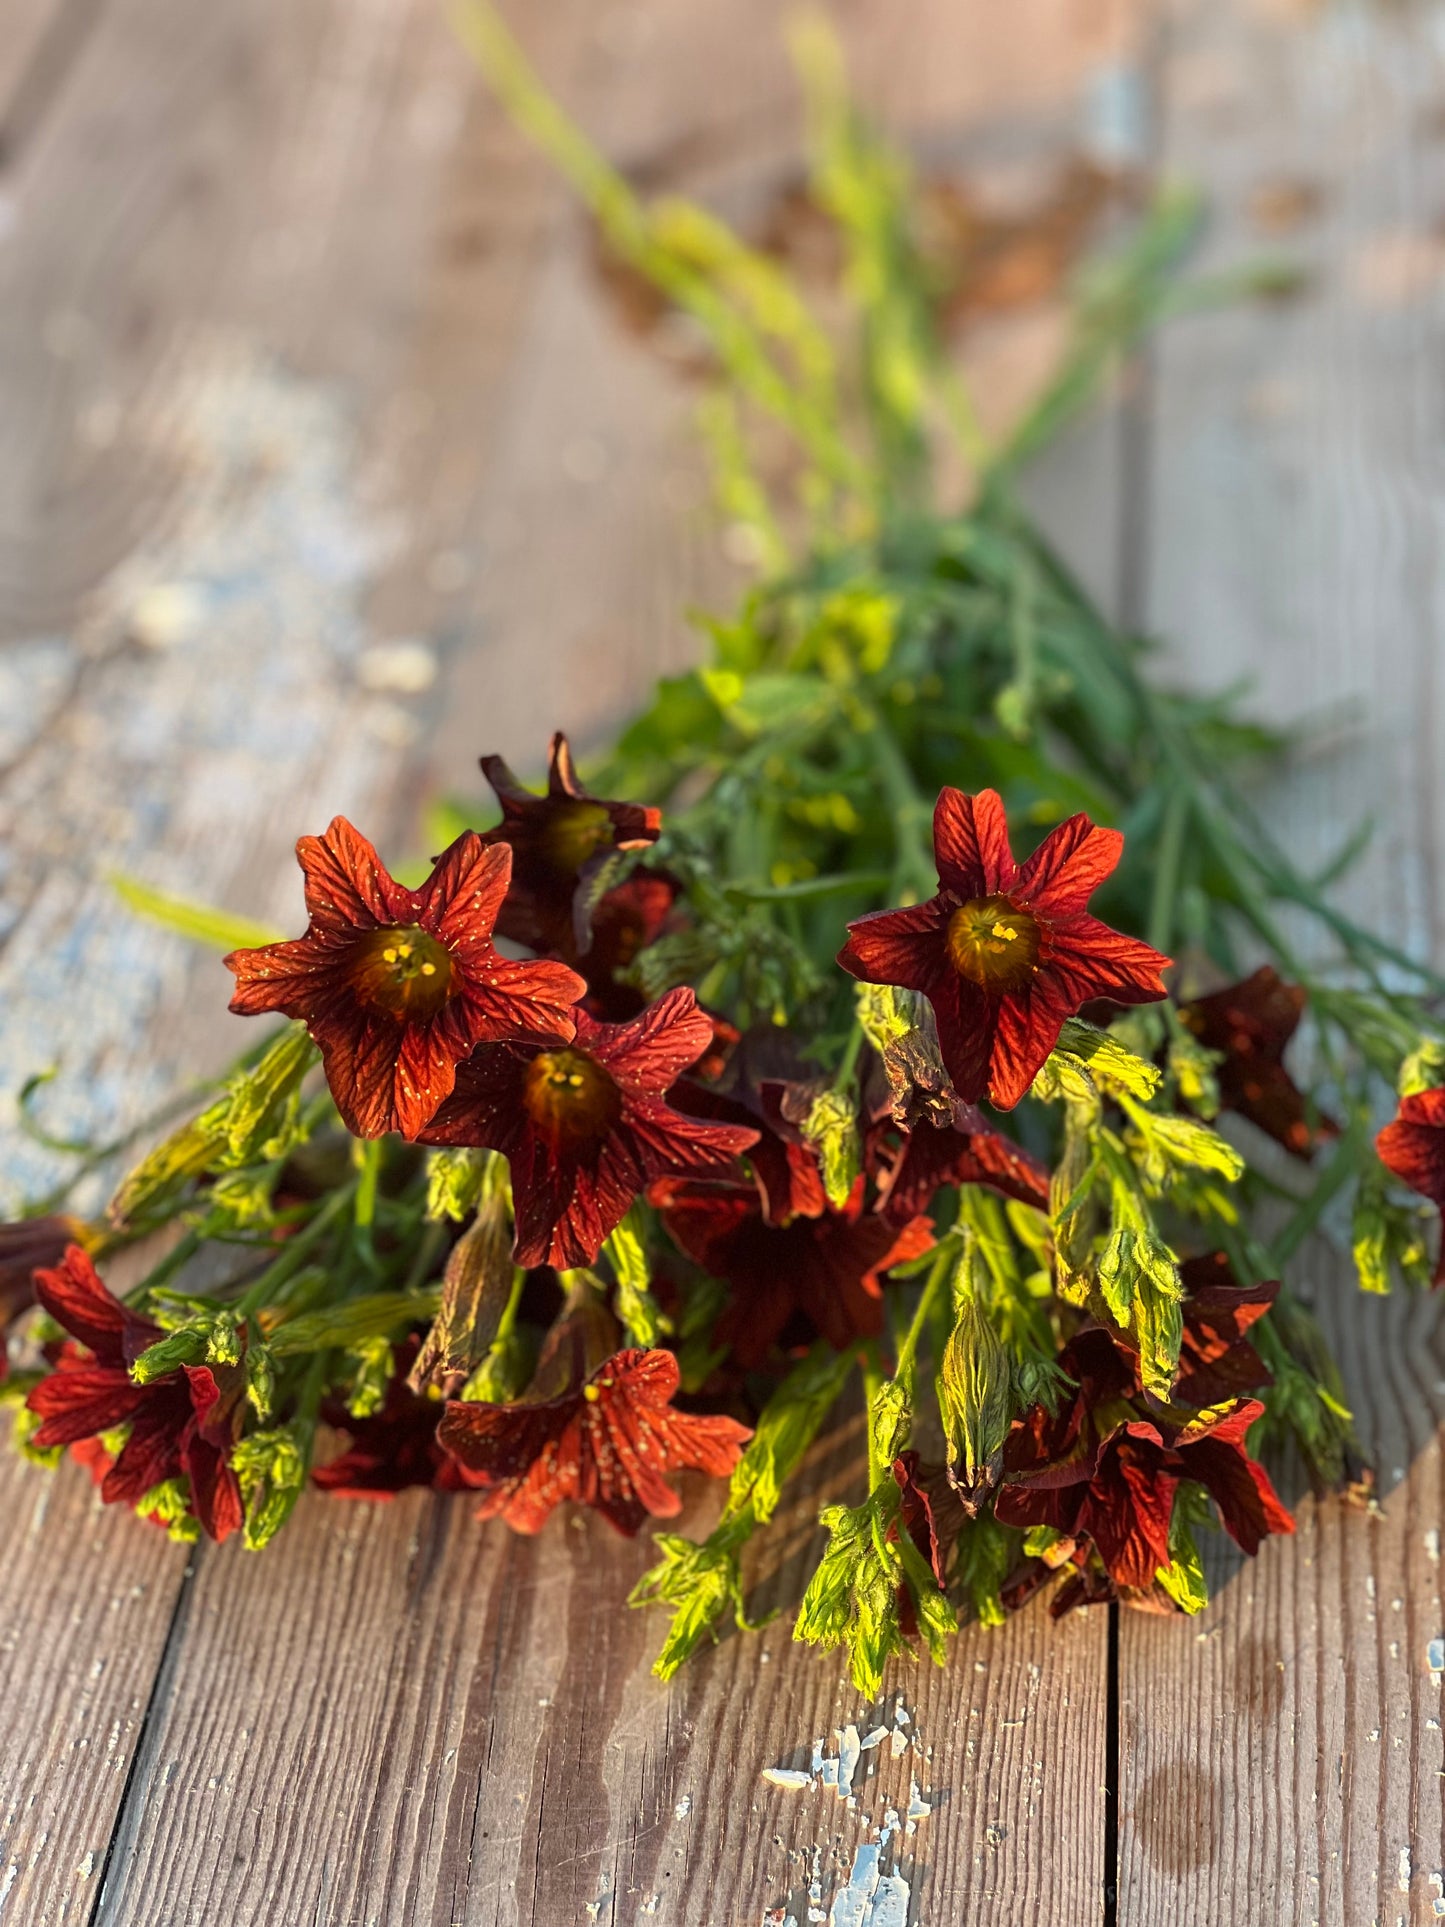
{"x": 523, "y": 999}
{"x": 1088, "y": 959}
{"x": 215, "y": 1489}
{"x": 966, "y": 1018}
{"x": 653, "y": 1050}
{"x": 460, "y": 900}
{"x": 76, "y": 1298}
{"x": 348, "y": 887}
{"x": 293, "y": 978}
{"x": 902, "y": 947}
{"x": 1126, "y": 1512}
{"x": 485, "y": 1109}
{"x": 1413, "y": 1147}
{"x": 1069, "y": 865}
{"x": 1026, "y": 1030}
{"x": 1249, "y": 1506}
{"x": 931, "y": 1157}
{"x": 671, "y": 1143}
{"x": 82, "y": 1400}
{"x": 971, "y": 846}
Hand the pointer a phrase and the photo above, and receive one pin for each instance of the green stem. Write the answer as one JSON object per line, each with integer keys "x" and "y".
{"x": 298, "y": 1249}
{"x": 1336, "y": 1174}
{"x": 1166, "y": 871}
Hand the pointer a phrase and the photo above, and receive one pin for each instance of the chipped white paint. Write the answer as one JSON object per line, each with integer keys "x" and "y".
{"x": 1432, "y": 1545}
{"x": 1437, "y": 1895}
{"x": 849, "y": 1749}
{"x": 1402, "y": 1876}
{"x": 787, "y": 1776}
{"x": 683, "y": 1807}
{"x": 1435, "y": 1656}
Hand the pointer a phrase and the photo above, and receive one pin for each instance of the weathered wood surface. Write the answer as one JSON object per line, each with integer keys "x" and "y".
{"x": 1284, "y": 1762}
{"x": 304, "y": 359}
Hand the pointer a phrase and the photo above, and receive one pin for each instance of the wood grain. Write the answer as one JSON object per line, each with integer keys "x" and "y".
{"x": 315, "y": 362}
{"x": 408, "y": 1717}
{"x": 1285, "y": 1762}
{"x": 87, "y": 1604}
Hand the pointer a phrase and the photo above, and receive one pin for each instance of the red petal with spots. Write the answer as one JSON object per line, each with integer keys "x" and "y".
{"x": 1004, "y": 976}
{"x": 1413, "y": 1148}
{"x": 391, "y": 1033}
{"x": 560, "y": 842}
{"x": 579, "y": 1160}
{"x": 609, "y": 1445}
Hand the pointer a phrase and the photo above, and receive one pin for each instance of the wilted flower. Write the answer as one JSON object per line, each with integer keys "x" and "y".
{"x": 559, "y": 843}
{"x": 930, "y": 1157}
{"x": 181, "y": 1424}
{"x": 1005, "y": 952}
{"x": 393, "y": 1449}
{"x": 607, "y": 1442}
{"x": 1105, "y": 1468}
{"x": 398, "y": 986}
{"x": 585, "y": 1127}
{"x": 1413, "y": 1148}
{"x": 625, "y": 921}
{"x": 27, "y": 1246}
{"x": 1249, "y": 1024}
{"x": 823, "y": 1274}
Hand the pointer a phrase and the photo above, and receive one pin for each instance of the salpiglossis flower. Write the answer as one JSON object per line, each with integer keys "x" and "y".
{"x": 625, "y": 921}
{"x": 27, "y": 1246}
{"x": 608, "y": 1442}
{"x": 814, "y": 1275}
{"x": 585, "y": 1126}
{"x": 1105, "y": 1467}
{"x": 559, "y": 843}
{"x": 180, "y": 1425}
{"x": 393, "y": 1449}
{"x": 1249, "y": 1024}
{"x": 1413, "y": 1148}
{"x": 398, "y": 986}
{"x": 1005, "y": 952}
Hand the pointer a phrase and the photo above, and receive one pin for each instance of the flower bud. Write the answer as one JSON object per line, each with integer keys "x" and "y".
{"x": 976, "y": 1401}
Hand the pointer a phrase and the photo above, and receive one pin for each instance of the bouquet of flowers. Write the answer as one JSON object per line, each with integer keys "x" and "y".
{"x": 860, "y": 1030}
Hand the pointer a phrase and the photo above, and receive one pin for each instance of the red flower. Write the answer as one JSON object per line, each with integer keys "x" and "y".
{"x": 393, "y": 1449}
{"x": 559, "y": 843}
{"x": 1005, "y": 952}
{"x": 1413, "y": 1147}
{"x": 931, "y": 1157}
{"x": 761, "y": 1089}
{"x": 1216, "y": 1360}
{"x": 585, "y": 1127}
{"x": 398, "y": 986}
{"x": 606, "y": 1443}
{"x": 1105, "y": 1468}
{"x": 823, "y": 1273}
{"x": 625, "y": 921}
{"x": 1250, "y": 1024}
{"x": 27, "y": 1246}
{"x": 180, "y": 1425}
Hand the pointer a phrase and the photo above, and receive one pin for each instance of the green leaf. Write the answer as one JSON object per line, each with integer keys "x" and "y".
{"x": 219, "y": 929}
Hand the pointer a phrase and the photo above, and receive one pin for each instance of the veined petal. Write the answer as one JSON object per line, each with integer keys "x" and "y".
{"x": 1026, "y": 1030}
{"x": 348, "y": 888}
{"x": 460, "y": 900}
{"x": 521, "y": 998}
{"x": 652, "y": 1051}
{"x": 903, "y": 947}
{"x": 970, "y": 844}
{"x": 1069, "y": 866}
{"x": 1088, "y": 959}
{"x": 966, "y": 1018}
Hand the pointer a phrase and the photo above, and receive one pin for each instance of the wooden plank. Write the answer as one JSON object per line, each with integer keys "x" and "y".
{"x": 416, "y": 1718}
{"x": 1284, "y": 1762}
{"x": 87, "y": 1603}
{"x": 186, "y": 560}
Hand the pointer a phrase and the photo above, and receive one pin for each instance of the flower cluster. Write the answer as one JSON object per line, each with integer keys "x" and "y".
{"x": 556, "y": 1231}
